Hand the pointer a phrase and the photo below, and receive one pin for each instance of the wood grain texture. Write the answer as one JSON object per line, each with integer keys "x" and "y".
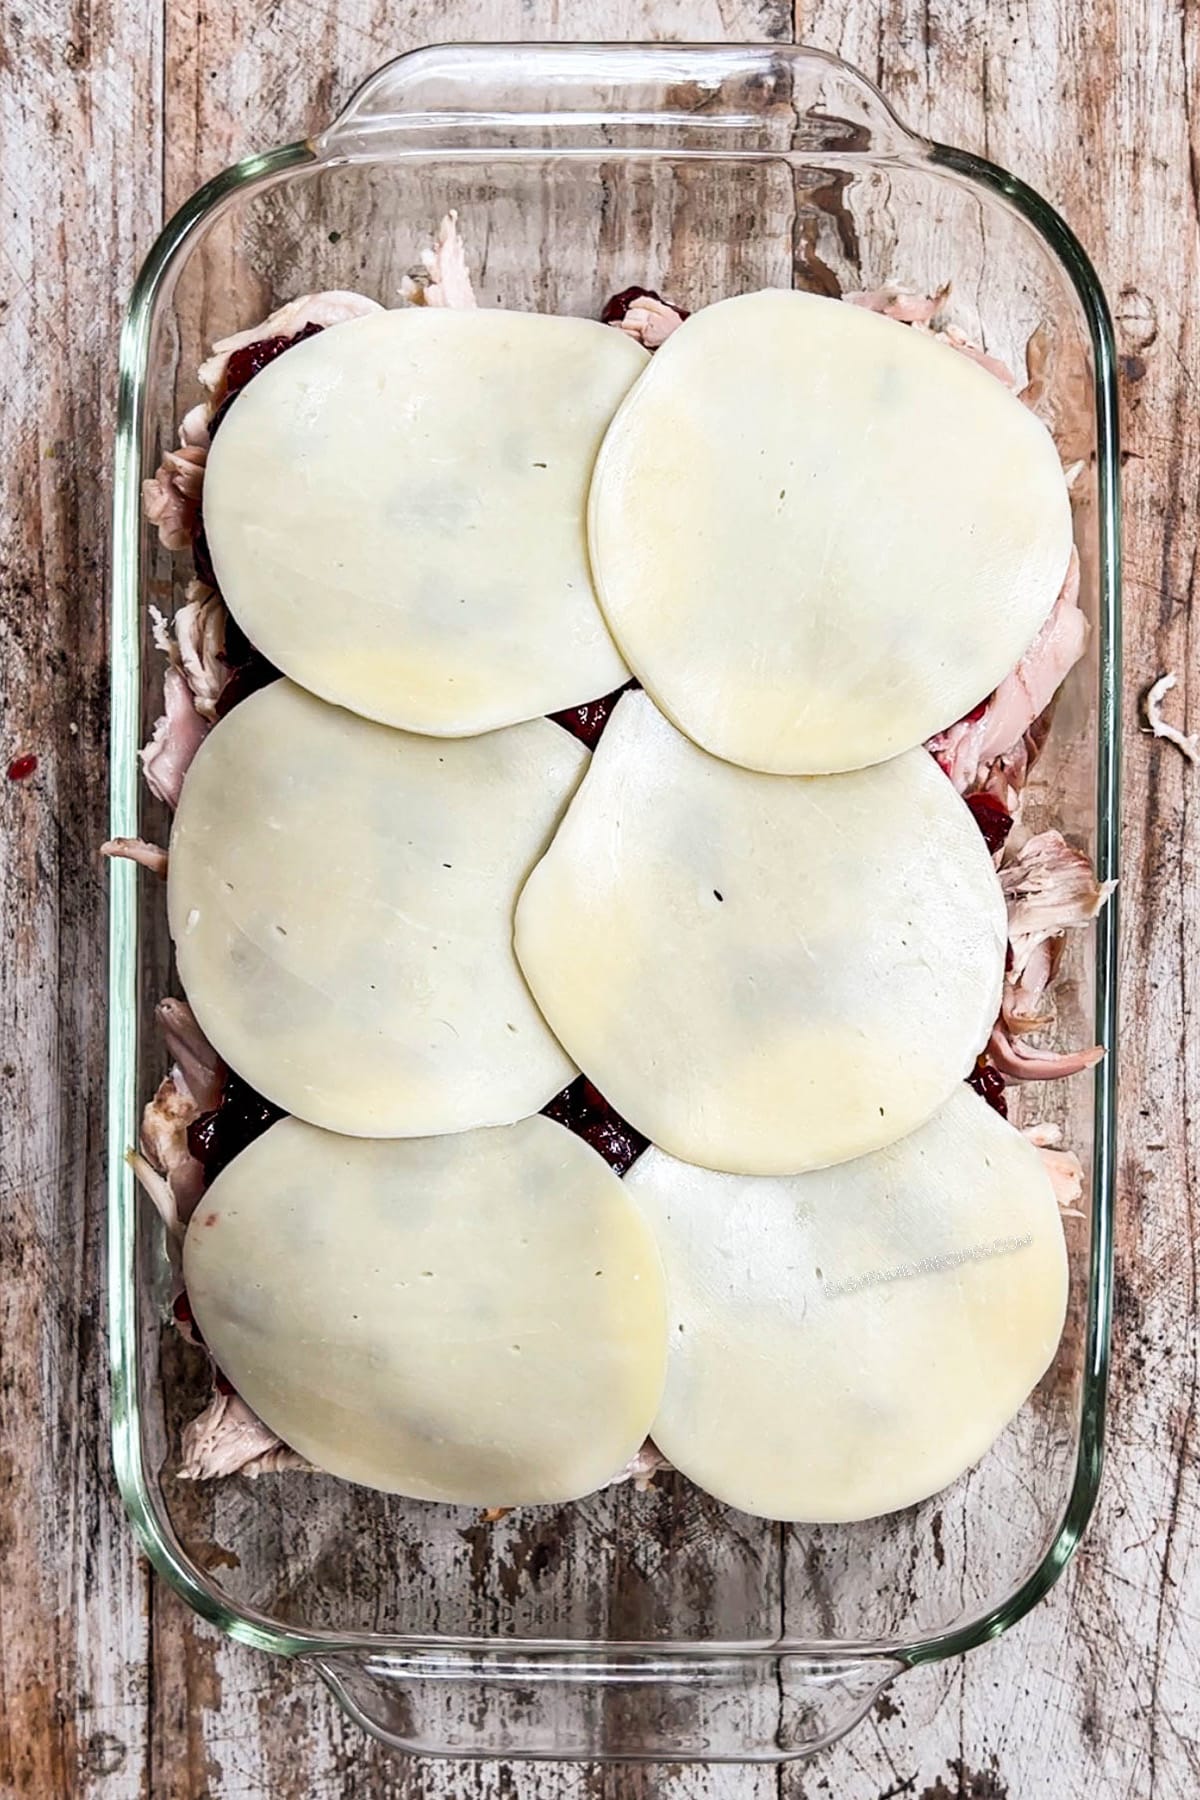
{"x": 108, "y": 1687}
{"x": 79, "y": 106}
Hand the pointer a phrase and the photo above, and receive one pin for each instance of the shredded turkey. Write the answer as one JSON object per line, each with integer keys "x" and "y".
{"x": 1039, "y": 358}
{"x": 1016, "y": 1060}
{"x": 165, "y": 1121}
{"x": 1028, "y": 1003}
{"x": 333, "y": 307}
{"x": 650, "y": 321}
{"x": 178, "y": 735}
{"x": 1050, "y": 888}
{"x": 1005, "y": 776}
{"x": 172, "y": 1177}
{"x": 1062, "y": 1165}
{"x": 171, "y": 498}
{"x": 1066, "y": 1174}
{"x": 276, "y": 1460}
{"x": 642, "y": 1467}
{"x": 193, "y": 430}
{"x": 447, "y": 279}
{"x": 958, "y": 340}
{"x": 194, "y": 642}
{"x": 137, "y": 850}
{"x": 926, "y": 312}
{"x": 1187, "y": 744}
{"x": 200, "y": 636}
{"x": 895, "y": 303}
{"x": 200, "y": 1066}
{"x": 157, "y": 1189}
{"x": 228, "y": 1439}
{"x": 968, "y": 749}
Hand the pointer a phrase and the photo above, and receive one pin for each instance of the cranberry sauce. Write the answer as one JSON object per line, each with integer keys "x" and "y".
{"x": 583, "y": 1109}
{"x": 586, "y": 722}
{"x": 616, "y": 308}
{"x": 249, "y": 361}
{"x": 241, "y": 1115}
{"x": 244, "y": 364}
{"x": 993, "y": 819}
{"x": 22, "y": 767}
{"x": 201, "y": 560}
{"x": 181, "y": 1312}
{"x": 246, "y": 679}
{"x": 249, "y": 668}
{"x": 989, "y": 1084}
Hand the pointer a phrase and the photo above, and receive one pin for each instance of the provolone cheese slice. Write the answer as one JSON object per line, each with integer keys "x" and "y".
{"x": 396, "y": 513}
{"x": 763, "y": 973}
{"x": 820, "y": 536}
{"x": 847, "y": 1342}
{"x": 476, "y": 1318}
{"x": 341, "y": 898}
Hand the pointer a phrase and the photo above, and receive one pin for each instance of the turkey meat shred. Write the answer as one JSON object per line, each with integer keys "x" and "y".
{"x": 228, "y": 1439}
{"x": 447, "y": 278}
{"x": 177, "y": 736}
{"x": 137, "y": 850}
{"x": 194, "y": 643}
{"x": 172, "y": 1177}
{"x": 1050, "y": 888}
{"x": 926, "y": 312}
{"x": 970, "y": 750}
{"x": 649, "y": 321}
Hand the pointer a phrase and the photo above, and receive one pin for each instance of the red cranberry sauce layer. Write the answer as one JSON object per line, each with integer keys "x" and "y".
{"x": 993, "y": 819}
{"x": 583, "y": 1109}
{"x": 244, "y": 364}
{"x": 989, "y": 1083}
{"x": 587, "y": 722}
{"x": 240, "y": 1116}
{"x": 249, "y": 668}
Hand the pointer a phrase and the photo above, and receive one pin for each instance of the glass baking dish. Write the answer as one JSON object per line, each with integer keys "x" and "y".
{"x": 656, "y": 1625}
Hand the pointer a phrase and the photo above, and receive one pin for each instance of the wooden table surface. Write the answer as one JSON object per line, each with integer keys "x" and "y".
{"x": 111, "y": 112}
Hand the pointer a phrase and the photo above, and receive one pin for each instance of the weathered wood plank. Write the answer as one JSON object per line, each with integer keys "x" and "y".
{"x": 79, "y": 114}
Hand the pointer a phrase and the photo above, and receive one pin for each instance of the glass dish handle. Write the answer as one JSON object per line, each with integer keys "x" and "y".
{"x": 708, "y": 97}
{"x": 657, "y": 1706}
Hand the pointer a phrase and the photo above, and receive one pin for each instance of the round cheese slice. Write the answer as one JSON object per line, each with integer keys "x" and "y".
{"x": 763, "y": 973}
{"x": 396, "y": 514}
{"x": 846, "y": 1342}
{"x": 341, "y": 898}
{"x": 477, "y": 1318}
{"x": 820, "y": 536}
